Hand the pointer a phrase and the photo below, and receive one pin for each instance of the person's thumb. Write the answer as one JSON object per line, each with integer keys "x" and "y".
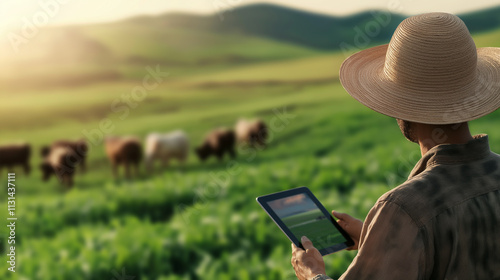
{"x": 306, "y": 243}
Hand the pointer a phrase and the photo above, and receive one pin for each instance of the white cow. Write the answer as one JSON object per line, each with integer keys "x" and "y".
{"x": 166, "y": 146}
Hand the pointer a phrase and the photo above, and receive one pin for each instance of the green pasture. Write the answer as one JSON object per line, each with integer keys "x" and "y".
{"x": 199, "y": 221}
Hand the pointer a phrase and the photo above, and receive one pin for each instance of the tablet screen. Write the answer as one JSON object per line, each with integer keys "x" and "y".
{"x": 303, "y": 217}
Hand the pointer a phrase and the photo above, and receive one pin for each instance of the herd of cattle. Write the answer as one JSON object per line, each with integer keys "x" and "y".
{"x": 62, "y": 157}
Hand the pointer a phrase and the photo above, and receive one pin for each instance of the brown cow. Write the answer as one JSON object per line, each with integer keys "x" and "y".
{"x": 80, "y": 147}
{"x": 123, "y": 151}
{"x": 217, "y": 142}
{"x": 252, "y": 132}
{"x": 16, "y": 154}
{"x": 62, "y": 162}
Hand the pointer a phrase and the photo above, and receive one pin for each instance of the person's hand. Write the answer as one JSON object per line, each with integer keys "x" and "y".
{"x": 307, "y": 263}
{"x": 351, "y": 225}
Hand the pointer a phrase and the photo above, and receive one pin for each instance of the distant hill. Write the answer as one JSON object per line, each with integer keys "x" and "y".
{"x": 313, "y": 30}
{"x": 189, "y": 44}
{"x": 483, "y": 20}
{"x": 309, "y": 29}
{"x": 301, "y": 28}
{"x": 170, "y": 36}
{"x": 283, "y": 24}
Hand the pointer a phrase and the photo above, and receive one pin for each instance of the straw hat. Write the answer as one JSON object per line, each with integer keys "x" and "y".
{"x": 430, "y": 72}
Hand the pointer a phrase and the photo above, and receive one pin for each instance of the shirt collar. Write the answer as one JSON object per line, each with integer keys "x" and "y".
{"x": 475, "y": 149}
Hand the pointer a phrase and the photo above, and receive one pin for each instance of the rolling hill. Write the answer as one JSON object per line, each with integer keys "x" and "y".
{"x": 191, "y": 44}
{"x": 307, "y": 29}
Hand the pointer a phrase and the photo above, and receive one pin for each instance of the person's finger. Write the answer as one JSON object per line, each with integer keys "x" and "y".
{"x": 306, "y": 243}
{"x": 295, "y": 249}
{"x": 338, "y": 215}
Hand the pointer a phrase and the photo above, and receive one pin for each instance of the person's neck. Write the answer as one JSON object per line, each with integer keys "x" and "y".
{"x": 430, "y": 136}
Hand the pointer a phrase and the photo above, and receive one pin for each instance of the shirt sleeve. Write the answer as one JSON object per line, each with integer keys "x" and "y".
{"x": 391, "y": 246}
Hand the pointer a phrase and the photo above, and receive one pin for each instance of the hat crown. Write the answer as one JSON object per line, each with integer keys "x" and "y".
{"x": 432, "y": 50}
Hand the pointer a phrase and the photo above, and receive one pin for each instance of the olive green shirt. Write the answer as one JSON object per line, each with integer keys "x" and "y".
{"x": 442, "y": 223}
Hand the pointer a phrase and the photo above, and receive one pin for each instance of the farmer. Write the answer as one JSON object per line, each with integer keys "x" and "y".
{"x": 444, "y": 221}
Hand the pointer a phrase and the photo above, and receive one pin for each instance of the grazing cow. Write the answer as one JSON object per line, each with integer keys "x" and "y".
{"x": 252, "y": 132}
{"x": 80, "y": 147}
{"x": 166, "y": 146}
{"x": 16, "y": 154}
{"x": 60, "y": 161}
{"x": 217, "y": 142}
{"x": 123, "y": 151}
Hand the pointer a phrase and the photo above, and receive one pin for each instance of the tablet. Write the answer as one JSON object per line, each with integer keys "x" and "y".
{"x": 297, "y": 212}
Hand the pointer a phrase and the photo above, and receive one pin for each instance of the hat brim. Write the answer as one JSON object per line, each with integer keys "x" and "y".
{"x": 362, "y": 76}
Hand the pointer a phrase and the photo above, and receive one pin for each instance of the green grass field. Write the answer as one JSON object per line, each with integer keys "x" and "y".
{"x": 200, "y": 221}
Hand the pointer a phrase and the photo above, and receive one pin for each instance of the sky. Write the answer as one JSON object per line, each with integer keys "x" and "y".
{"x": 14, "y": 14}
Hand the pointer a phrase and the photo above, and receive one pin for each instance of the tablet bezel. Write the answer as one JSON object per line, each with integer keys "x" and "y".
{"x": 263, "y": 201}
